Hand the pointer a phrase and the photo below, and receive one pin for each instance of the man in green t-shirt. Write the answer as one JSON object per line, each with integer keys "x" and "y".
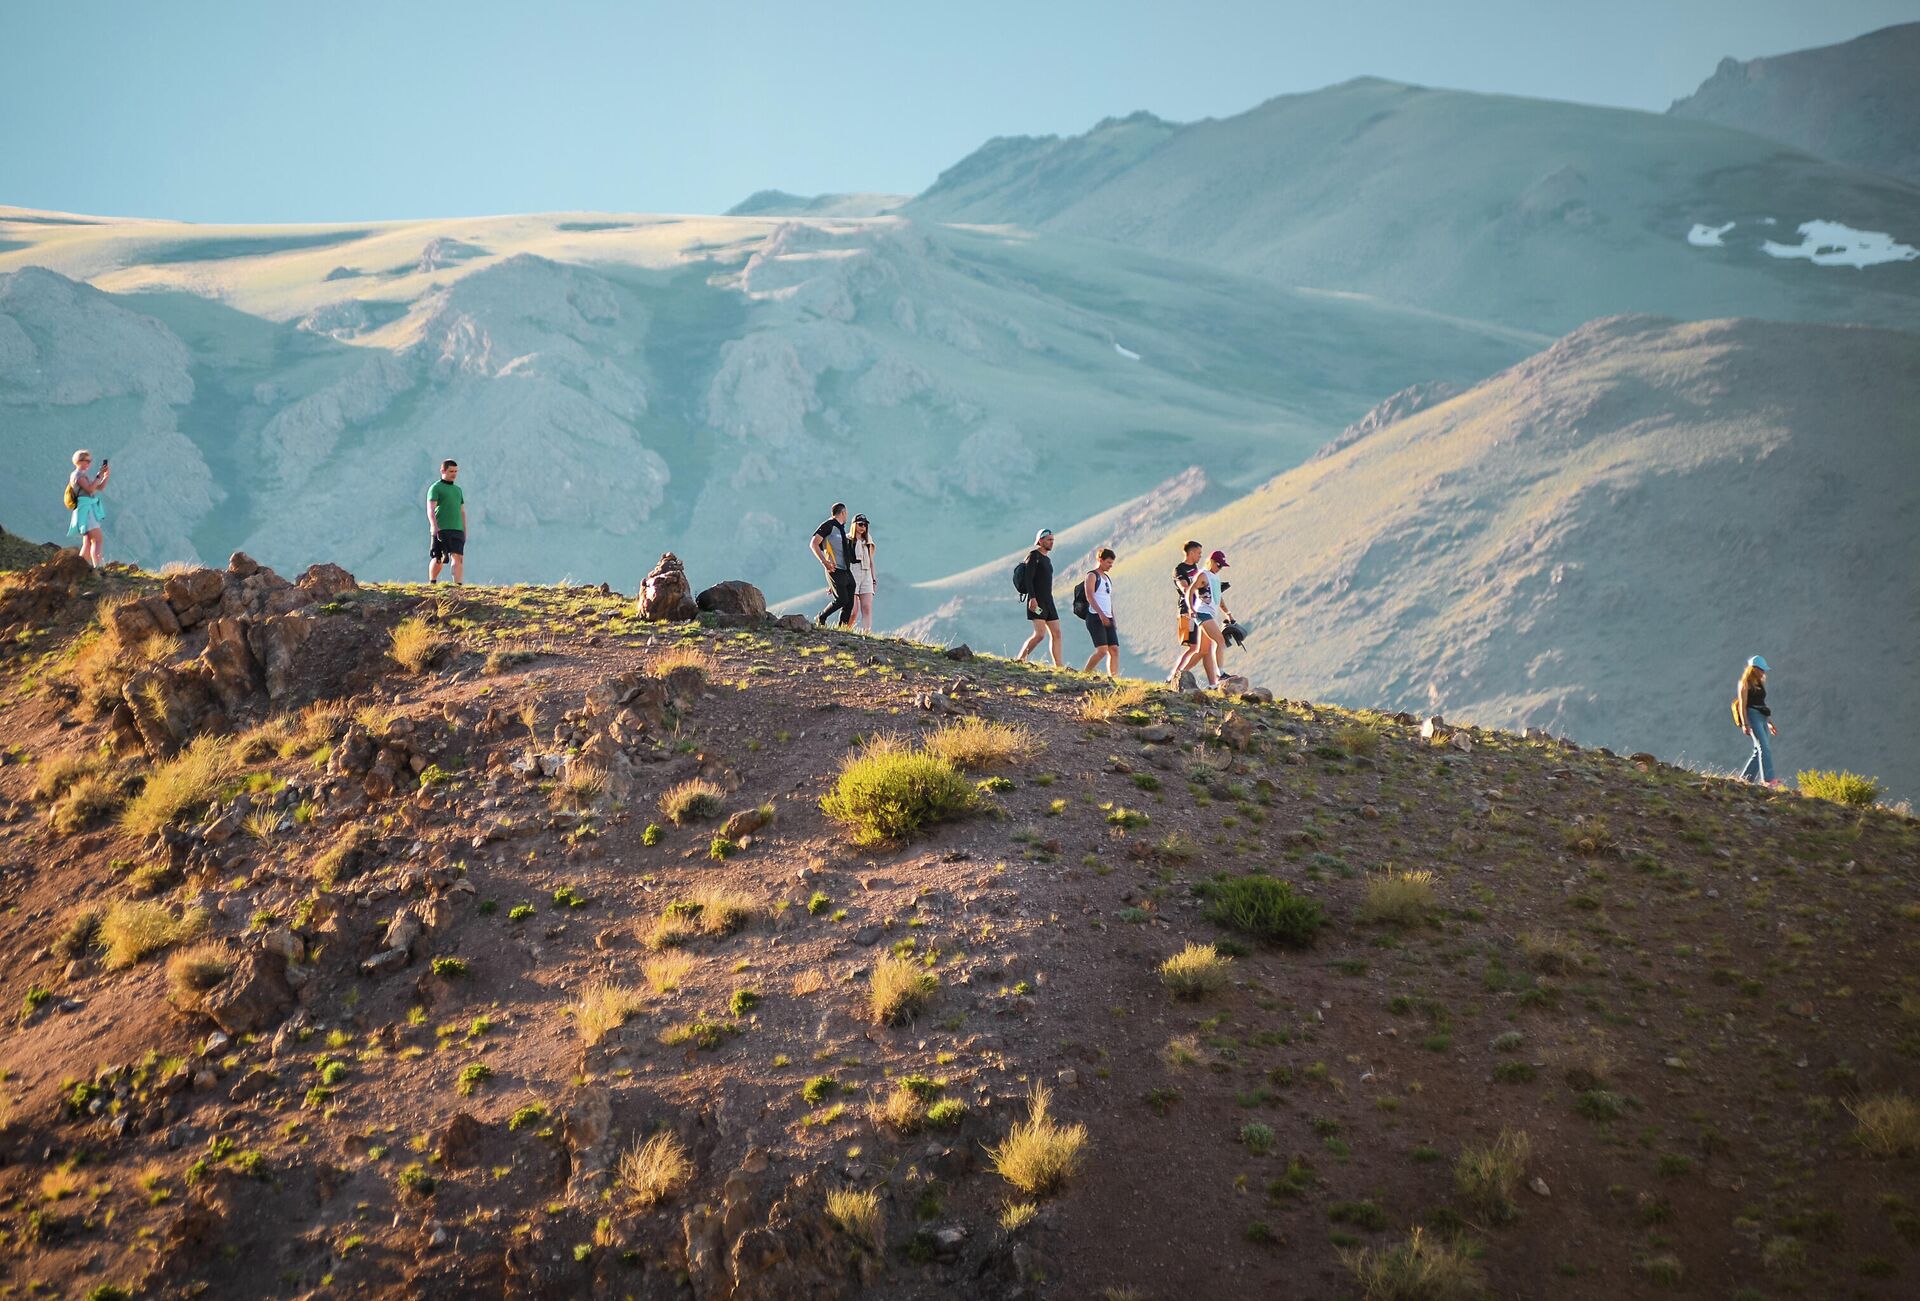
{"x": 447, "y": 518}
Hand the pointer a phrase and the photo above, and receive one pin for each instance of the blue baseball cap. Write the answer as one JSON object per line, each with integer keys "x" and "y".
{"x": 1758, "y": 662}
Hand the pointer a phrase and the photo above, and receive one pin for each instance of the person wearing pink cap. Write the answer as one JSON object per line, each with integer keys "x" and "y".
{"x": 1207, "y": 603}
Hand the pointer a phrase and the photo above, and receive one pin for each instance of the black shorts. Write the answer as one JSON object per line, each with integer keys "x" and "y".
{"x": 1104, "y": 634}
{"x": 1042, "y": 608}
{"x": 448, "y": 543}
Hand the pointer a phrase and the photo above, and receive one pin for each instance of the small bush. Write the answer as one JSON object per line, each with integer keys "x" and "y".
{"x": 898, "y": 989}
{"x": 1195, "y": 971}
{"x": 1423, "y": 1268}
{"x": 886, "y": 791}
{"x": 1264, "y": 908}
{"x": 1256, "y": 1137}
{"x": 1888, "y": 1124}
{"x": 859, "y": 1215}
{"x": 193, "y": 971}
{"x": 603, "y": 1008}
{"x": 691, "y": 801}
{"x": 416, "y": 644}
{"x": 184, "y": 784}
{"x": 582, "y": 787}
{"x": 711, "y": 913}
{"x": 1397, "y": 898}
{"x": 701, "y": 1032}
{"x": 655, "y": 1170}
{"x": 976, "y": 743}
{"x": 1488, "y": 1176}
{"x": 1038, "y": 1155}
{"x": 132, "y": 931}
{"x": 1848, "y": 788}
{"x": 946, "y": 1113}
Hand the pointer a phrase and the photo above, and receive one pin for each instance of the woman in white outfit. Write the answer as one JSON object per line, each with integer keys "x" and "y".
{"x": 1209, "y": 608}
{"x": 865, "y": 581}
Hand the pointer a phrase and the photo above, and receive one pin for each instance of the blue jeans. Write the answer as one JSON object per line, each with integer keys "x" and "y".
{"x": 1760, "y": 762}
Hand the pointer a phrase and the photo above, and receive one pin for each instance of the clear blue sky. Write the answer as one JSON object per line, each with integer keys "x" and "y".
{"x": 344, "y": 110}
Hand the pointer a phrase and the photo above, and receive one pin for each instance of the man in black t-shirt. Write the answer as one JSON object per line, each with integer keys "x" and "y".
{"x": 1040, "y": 610}
{"x": 1184, "y": 629}
{"x": 829, "y": 545}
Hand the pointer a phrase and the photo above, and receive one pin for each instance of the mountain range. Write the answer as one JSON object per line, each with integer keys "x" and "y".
{"x": 1150, "y": 329}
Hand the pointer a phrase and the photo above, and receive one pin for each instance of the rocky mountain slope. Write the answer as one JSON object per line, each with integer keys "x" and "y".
{"x": 617, "y": 386}
{"x": 1596, "y": 539}
{"x": 1527, "y": 213}
{"x": 510, "y": 945}
{"x": 1856, "y": 102}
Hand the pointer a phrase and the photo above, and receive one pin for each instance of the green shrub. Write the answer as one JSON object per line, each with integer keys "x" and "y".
{"x": 1422, "y": 1268}
{"x": 1848, "y": 788}
{"x": 1264, "y": 908}
{"x": 887, "y": 791}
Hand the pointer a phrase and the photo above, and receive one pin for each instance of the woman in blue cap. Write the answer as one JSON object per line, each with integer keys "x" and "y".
{"x": 1756, "y": 720}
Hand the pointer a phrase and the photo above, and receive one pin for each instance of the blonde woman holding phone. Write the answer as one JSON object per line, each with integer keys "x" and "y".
{"x": 89, "y": 513}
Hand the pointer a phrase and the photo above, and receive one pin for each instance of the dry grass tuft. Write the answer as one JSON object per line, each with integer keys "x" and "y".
{"x": 713, "y": 914}
{"x": 898, "y": 989}
{"x": 1551, "y": 953}
{"x": 656, "y": 1169}
{"x": 59, "y": 774}
{"x": 667, "y": 972}
{"x": 181, "y": 785}
{"x": 978, "y": 743}
{"x": 604, "y": 1007}
{"x": 1195, "y": 971}
{"x": 1106, "y": 706}
{"x": 582, "y": 787}
{"x": 1888, "y": 1124}
{"x": 87, "y": 802}
{"x": 1038, "y": 1155}
{"x": 691, "y": 801}
{"x": 132, "y": 931}
{"x": 79, "y": 932}
{"x": 416, "y": 644}
{"x": 810, "y": 981}
{"x": 1423, "y": 1268}
{"x": 1397, "y": 898}
{"x": 193, "y": 971}
{"x": 665, "y": 663}
{"x": 859, "y": 1215}
{"x": 1488, "y": 1176}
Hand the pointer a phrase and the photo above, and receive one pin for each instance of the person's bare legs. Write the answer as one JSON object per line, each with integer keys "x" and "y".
{"x": 863, "y": 611}
{"x": 1113, "y": 661}
{"x": 1053, "y": 642}
{"x": 92, "y": 548}
{"x": 459, "y": 569}
{"x": 1033, "y": 639}
{"x": 1209, "y": 645}
{"x": 433, "y": 568}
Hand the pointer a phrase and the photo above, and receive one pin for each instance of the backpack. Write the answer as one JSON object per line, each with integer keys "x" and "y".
{"x": 71, "y": 497}
{"x": 1020, "y": 579}
{"x": 1080, "y": 607}
{"x": 1736, "y": 713}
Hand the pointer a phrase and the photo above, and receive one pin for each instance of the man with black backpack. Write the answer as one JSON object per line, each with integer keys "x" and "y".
{"x": 1033, "y": 579}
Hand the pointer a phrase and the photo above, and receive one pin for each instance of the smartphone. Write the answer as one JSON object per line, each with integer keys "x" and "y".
{"x": 105, "y": 461}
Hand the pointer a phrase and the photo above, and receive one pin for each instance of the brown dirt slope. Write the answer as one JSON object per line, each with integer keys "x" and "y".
{"x": 454, "y": 943}
{"x": 1594, "y": 542}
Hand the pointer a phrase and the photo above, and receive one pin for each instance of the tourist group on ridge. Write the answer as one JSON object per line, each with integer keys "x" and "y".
{"x": 1203, "y": 625}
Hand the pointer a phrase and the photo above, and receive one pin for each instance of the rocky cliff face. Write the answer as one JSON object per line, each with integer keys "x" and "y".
{"x": 1857, "y": 102}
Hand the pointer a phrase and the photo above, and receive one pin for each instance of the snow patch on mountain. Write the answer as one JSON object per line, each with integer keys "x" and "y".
{"x": 1835, "y": 244}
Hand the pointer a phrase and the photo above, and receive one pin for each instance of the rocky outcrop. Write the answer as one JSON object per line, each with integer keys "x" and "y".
{"x": 734, "y": 597}
{"x": 666, "y": 595}
{"x": 43, "y": 592}
{"x": 255, "y": 996}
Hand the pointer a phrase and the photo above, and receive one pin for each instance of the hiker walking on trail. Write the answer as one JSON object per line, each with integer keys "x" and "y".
{"x": 1752, "y": 716}
{"x": 830, "y": 548}
{"x": 1186, "y": 632}
{"x": 1207, "y": 602}
{"x": 1093, "y": 602}
{"x": 447, "y": 521}
{"x": 83, "y": 499}
{"x": 865, "y": 581}
{"x": 1033, "y": 579}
